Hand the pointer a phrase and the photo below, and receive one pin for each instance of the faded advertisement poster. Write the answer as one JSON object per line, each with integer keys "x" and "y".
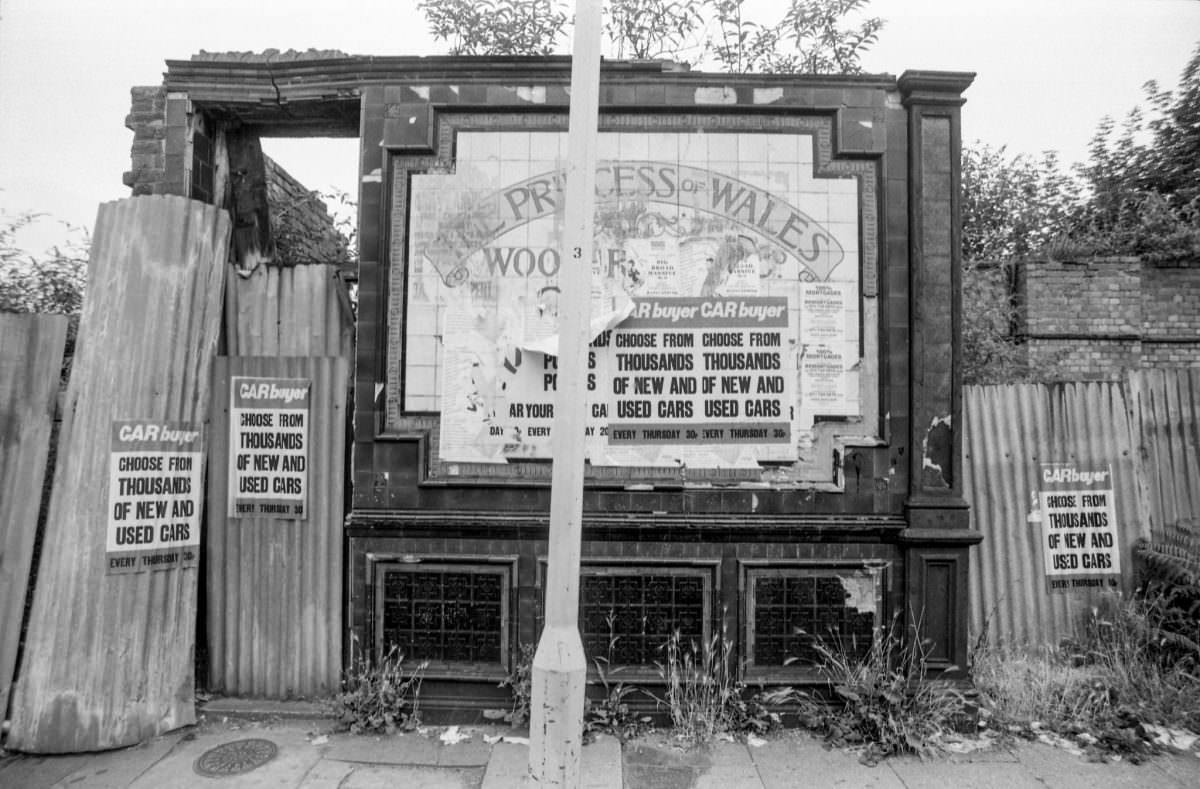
{"x": 708, "y": 249}
{"x": 154, "y": 489}
{"x": 1079, "y": 528}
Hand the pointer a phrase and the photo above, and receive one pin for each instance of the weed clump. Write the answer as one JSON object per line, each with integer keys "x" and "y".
{"x": 380, "y": 697}
{"x": 704, "y": 695}
{"x": 885, "y": 701}
{"x": 520, "y": 682}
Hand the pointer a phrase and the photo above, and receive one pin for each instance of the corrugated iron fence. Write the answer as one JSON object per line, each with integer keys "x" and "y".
{"x": 274, "y": 585}
{"x": 1145, "y": 427}
{"x": 108, "y": 657}
{"x": 273, "y": 618}
{"x": 31, "y": 349}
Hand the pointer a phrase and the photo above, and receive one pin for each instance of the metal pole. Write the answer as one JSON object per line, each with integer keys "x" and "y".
{"x": 559, "y": 665}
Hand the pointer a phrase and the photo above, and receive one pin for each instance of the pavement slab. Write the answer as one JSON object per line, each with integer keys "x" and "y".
{"x": 406, "y": 748}
{"x": 431, "y": 759}
{"x": 118, "y": 769}
{"x": 508, "y": 768}
{"x": 391, "y": 776}
{"x": 600, "y": 764}
{"x": 296, "y": 757}
{"x": 652, "y": 763}
{"x": 1181, "y": 767}
{"x": 732, "y": 766}
{"x": 1059, "y": 769}
{"x": 938, "y": 773}
{"x": 793, "y": 759}
{"x": 31, "y": 771}
{"x": 326, "y": 774}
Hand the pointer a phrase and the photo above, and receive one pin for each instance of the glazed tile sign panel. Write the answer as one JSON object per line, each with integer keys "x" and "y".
{"x": 725, "y": 295}
{"x": 154, "y": 489}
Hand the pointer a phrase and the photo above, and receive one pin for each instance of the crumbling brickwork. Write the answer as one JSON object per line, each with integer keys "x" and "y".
{"x": 300, "y": 222}
{"x": 172, "y": 151}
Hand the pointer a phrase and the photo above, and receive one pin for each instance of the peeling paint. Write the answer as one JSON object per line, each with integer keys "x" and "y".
{"x": 373, "y": 177}
{"x": 936, "y": 452}
{"x": 723, "y": 95}
{"x": 534, "y": 94}
{"x": 422, "y": 91}
{"x": 863, "y": 588}
{"x": 767, "y": 95}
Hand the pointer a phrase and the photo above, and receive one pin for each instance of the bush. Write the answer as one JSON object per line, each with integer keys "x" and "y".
{"x": 380, "y": 698}
{"x": 1170, "y": 585}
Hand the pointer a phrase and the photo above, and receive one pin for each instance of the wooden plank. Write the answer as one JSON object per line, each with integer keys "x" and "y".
{"x": 109, "y": 657}
{"x": 31, "y": 349}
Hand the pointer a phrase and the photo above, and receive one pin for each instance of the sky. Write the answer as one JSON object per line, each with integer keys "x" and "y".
{"x": 1047, "y": 72}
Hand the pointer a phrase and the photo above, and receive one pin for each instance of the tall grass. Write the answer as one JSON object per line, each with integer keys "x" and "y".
{"x": 1116, "y": 675}
{"x": 886, "y": 700}
{"x": 704, "y": 693}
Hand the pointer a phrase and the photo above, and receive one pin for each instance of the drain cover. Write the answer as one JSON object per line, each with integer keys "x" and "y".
{"x": 235, "y": 758}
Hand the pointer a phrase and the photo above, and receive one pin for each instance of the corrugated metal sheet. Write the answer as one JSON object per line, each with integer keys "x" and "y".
{"x": 1010, "y": 431}
{"x": 31, "y": 349}
{"x": 1166, "y": 417}
{"x": 274, "y": 586}
{"x": 108, "y": 660}
{"x": 288, "y": 311}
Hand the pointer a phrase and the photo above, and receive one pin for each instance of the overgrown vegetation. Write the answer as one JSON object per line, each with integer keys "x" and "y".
{"x": 52, "y": 282}
{"x": 1135, "y": 662}
{"x": 705, "y": 695}
{"x": 382, "y": 697}
{"x": 1170, "y": 580}
{"x": 884, "y": 702}
{"x": 520, "y": 682}
{"x": 1138, "y": 195}
{"x": 612, "y": 714}
{"x": 496, "y": 27}
{"x": 811, "y": 36}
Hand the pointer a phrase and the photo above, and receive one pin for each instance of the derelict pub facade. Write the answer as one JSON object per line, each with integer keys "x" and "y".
{"x": 773, "y": 439}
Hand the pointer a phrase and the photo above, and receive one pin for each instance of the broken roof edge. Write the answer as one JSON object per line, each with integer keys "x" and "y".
{"x": 334, "y": 66}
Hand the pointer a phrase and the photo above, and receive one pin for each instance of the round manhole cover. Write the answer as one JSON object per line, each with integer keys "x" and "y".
{"x": 235, "y": 758}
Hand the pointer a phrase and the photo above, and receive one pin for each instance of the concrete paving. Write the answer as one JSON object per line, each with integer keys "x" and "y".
{"x": 312, "y": 756}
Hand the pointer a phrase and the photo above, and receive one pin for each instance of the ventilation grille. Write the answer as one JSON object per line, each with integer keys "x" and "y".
{"x": 451, "y": 614}
{"x": 792, "y": 610}
{"x": 628, "y": 615}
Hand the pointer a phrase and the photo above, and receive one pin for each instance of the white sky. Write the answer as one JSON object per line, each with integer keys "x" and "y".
{"x": 1048, "y": 70}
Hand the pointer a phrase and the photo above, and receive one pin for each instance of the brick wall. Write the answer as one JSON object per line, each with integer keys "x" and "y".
{"x": 147, "y": 121}
{"x": 171, "y": 151}
{"x": 1097, "y": 317}
{"x": 300, "y": 222}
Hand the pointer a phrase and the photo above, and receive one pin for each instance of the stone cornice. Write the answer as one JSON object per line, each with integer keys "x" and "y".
{"x": 934, "y": 87}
